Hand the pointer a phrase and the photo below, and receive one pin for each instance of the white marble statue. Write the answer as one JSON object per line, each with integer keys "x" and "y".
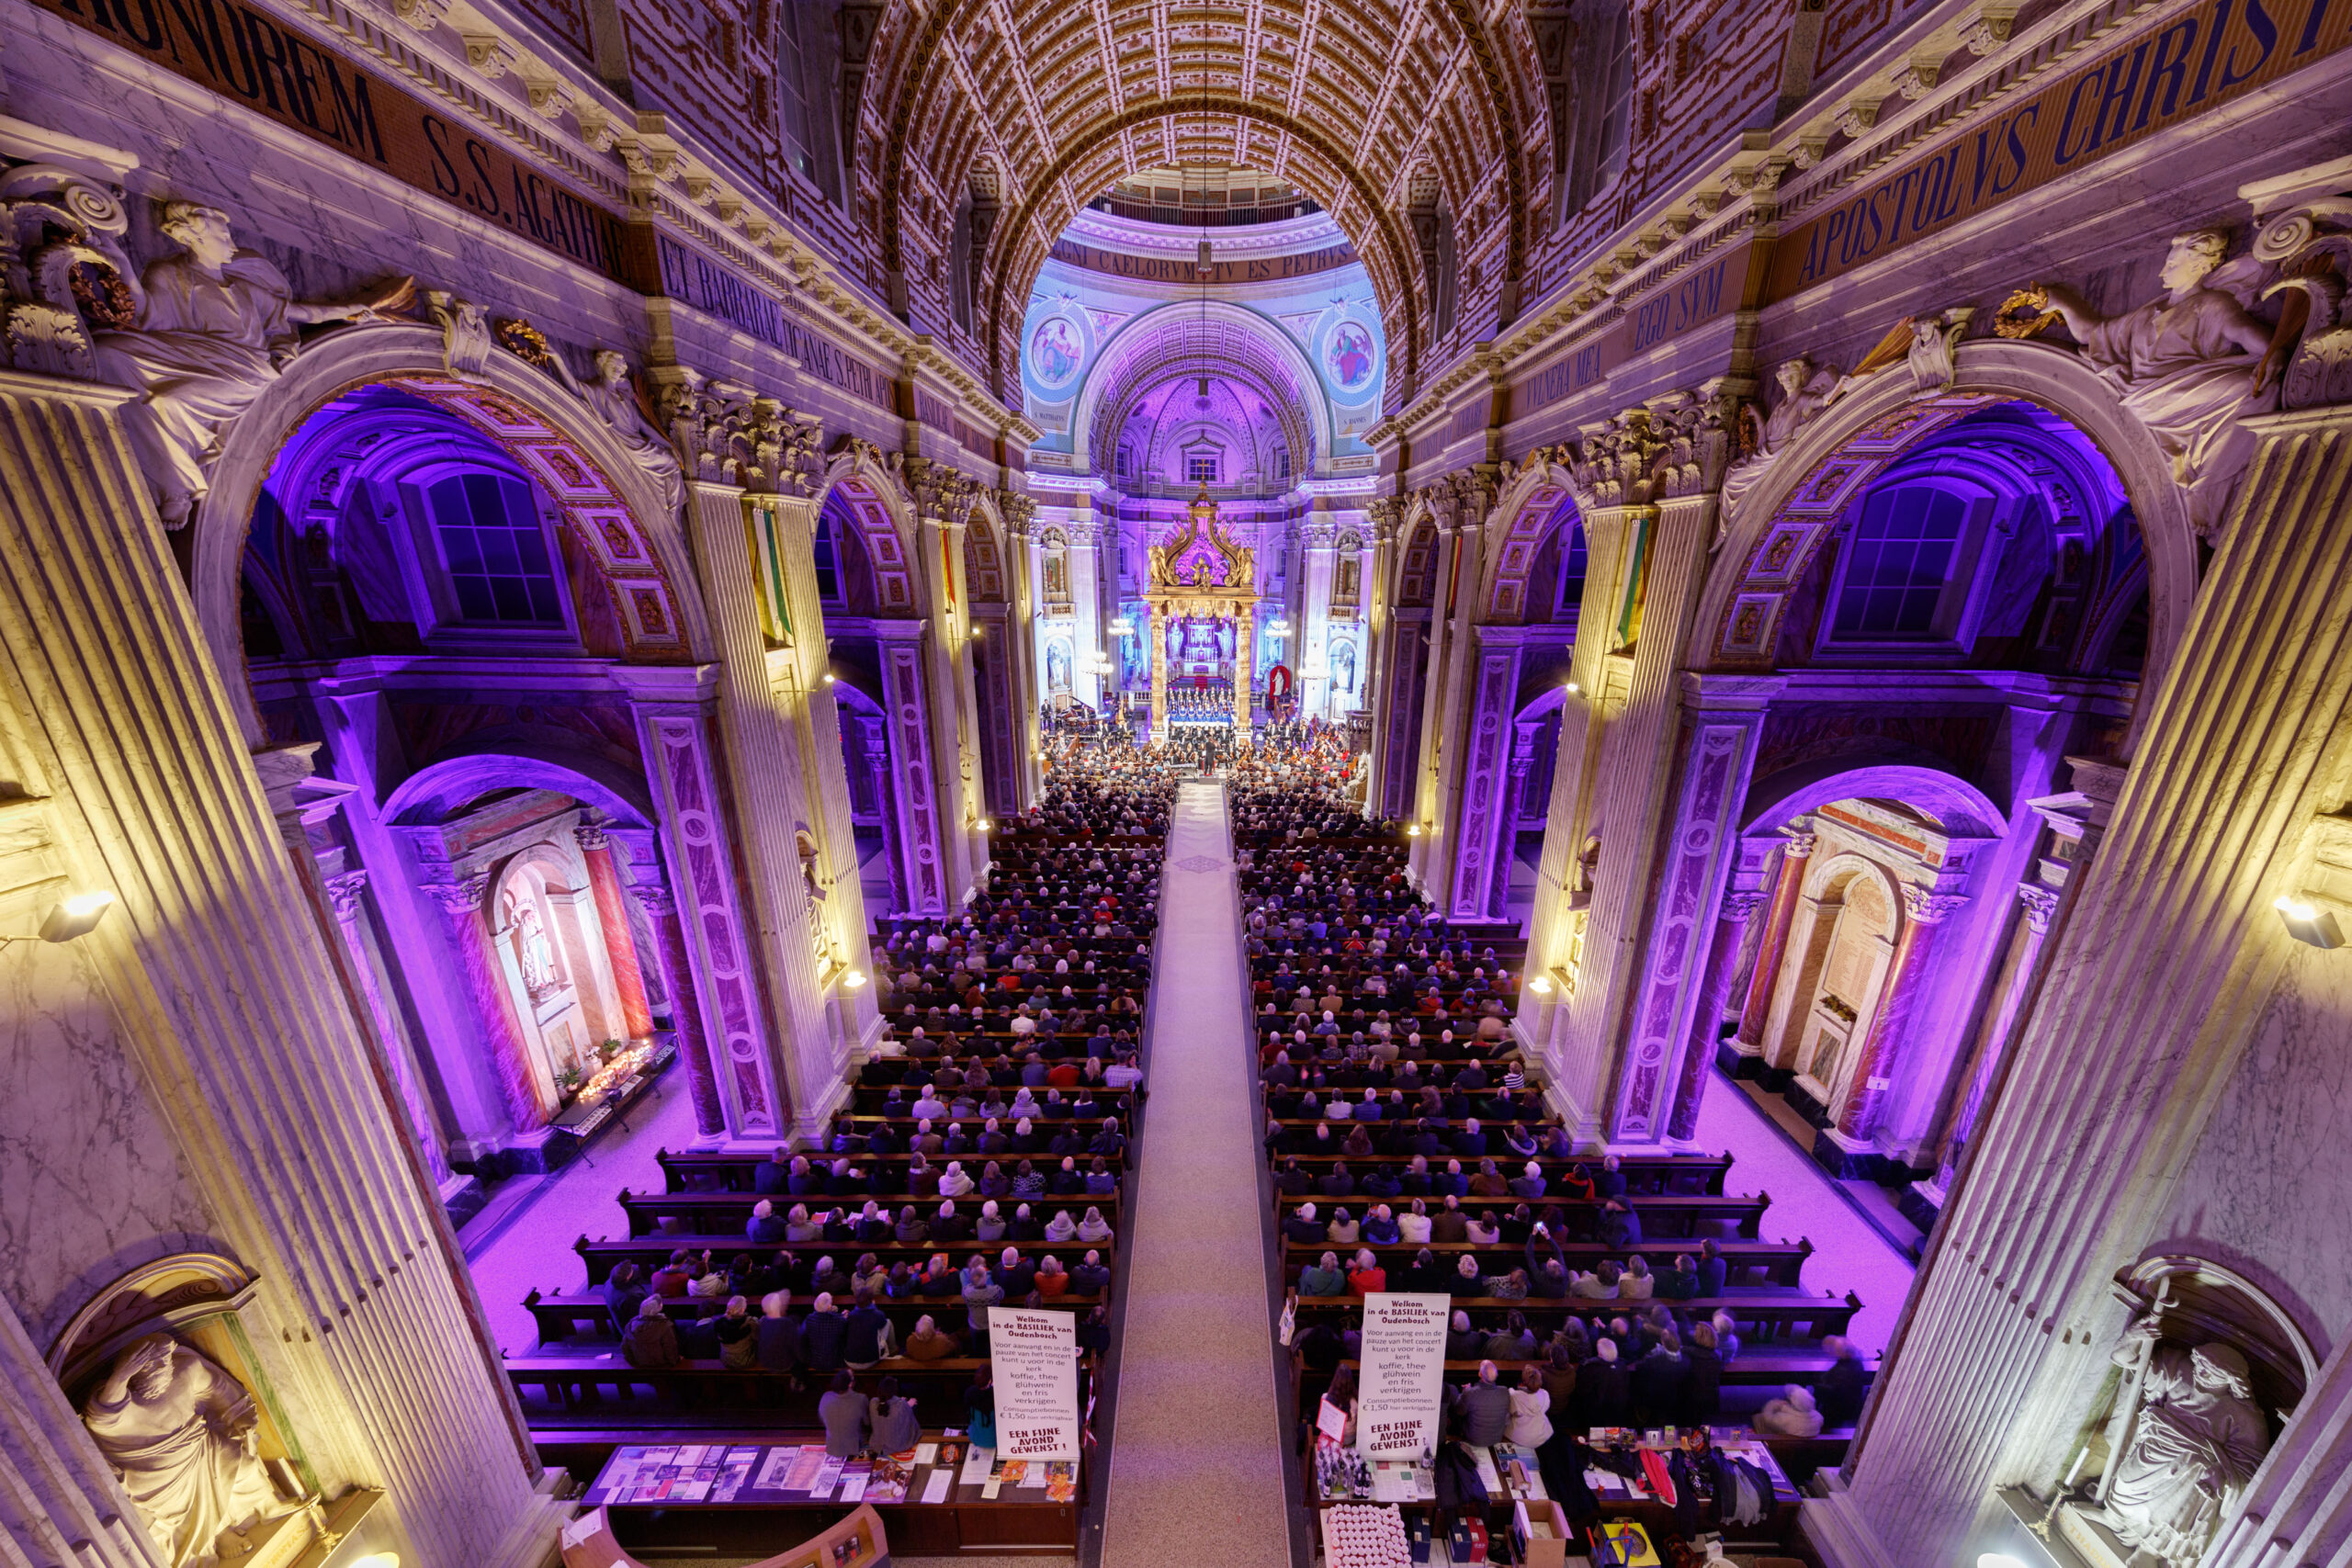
{"x": 179, "y": 1433}
{"x": 1805, "y": 392}
{"x": 2196, "y": 1437}
{"x": 613, "y": 397}
{"x": 2189, "y": 365}
{"x": 216, "y": 330}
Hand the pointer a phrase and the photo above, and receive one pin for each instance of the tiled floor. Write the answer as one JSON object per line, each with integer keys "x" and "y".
{"x": 533, "y": 1246}
{"x": 1849, "y": 1255}
{"x": 1197, "y": 1458}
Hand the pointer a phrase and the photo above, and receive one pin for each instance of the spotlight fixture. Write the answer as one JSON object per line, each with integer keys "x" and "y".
{"x": 2306, "y": 922}
{"x": 1413, "y": 830}
{"x": 853, "y": 980}
{"x": 1574, "y": 688}
{"x": 70, "y": 917}
{"x": 830, "y": 677}
{"x": 1540, "y": 985}
{"x": 982, "y": 824}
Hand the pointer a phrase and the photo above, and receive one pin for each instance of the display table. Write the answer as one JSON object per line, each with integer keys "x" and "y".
{"x": 729, "y": 1495}
{"x": 1513, "y": 1476}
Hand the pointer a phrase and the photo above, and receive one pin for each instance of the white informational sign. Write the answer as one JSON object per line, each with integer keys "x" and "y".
{"x": 1403, "y": 1381}
{"x": 1033, "y": 1360}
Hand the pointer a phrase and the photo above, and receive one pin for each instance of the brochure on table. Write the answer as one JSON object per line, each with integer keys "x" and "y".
{"x": 1402, "y": 1378}
{"x": 741, "y": 1474}
{"x": 1033, "y": 1358}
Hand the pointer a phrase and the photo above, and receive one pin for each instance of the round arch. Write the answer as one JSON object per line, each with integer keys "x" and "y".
{"x": 1413, "y": 575}
{"x": 1139, "y": 355}
{"x": 985, "y": 552}
{"x": 1775, "y": 532}
{"x": 1956, "y": 804}
{"x": 610, "y": 506}
{"x": 876, "y": 503}
{"x": 1499, "y": 77}
{"x": 1538, "y": 499}
{"x": 453, "y": 779}
{"x": 1398, "y": 305}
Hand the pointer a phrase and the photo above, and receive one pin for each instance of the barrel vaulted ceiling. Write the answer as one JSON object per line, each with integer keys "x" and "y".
{"x": 1365, "y": 106}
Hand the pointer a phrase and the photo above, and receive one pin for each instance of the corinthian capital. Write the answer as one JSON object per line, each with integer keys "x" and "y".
{"x": 1385, "y": 512}
{"x": 1474, "y": 492}
{"x": 731, "y": 434}
{"x": 342, "y": 894}
{"x": 1615, "y": 462}
{"x": 940, "y": 492}
{"x": 1019, "y": 510}
{"x": 462, "y": 895}
{"x": 1929, "y": 908}
{"x": 2041, "y": 903}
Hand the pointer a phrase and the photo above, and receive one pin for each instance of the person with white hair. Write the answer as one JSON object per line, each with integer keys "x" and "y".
{"x": 1791, "y": 1415}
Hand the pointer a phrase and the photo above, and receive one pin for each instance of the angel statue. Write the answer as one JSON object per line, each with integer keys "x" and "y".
{"x": 2196, "y": 1437}
{"x": 2190, "y": 365}
{"x": 1805, "y": 392}
{"x": 179, "y": 1431}
{"x": 217, "y": 327}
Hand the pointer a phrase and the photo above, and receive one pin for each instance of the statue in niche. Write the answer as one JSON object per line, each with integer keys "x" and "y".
{"x": 2195, "y": 1439}
{"x": 216, "y": 328}
{"x": 1344, "y": 667}
{"x": 534, "y": 953}
{"x": 1057, "y": 666}
{"x": 2189, "y": 365}
{"x": 1805, "y": 392}
{"x": 180, "y": 1435}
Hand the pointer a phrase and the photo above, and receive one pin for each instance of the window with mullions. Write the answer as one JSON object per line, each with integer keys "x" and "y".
{"x": 828, "y": 562}
{"x": 494, "y": 548}
{"x": 1200, "y": 467}
{"x": 1899, "y": 563}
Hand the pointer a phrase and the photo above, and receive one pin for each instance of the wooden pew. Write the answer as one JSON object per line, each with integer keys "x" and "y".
{"x": 702, "y": 1170}
{"x": 711, "y": 1212}
{"x": 1746, "y": 1263}
{"x": 649, "y": 1253}
{"x": 1665, "y": 1217}
{"x": 1764, "y": 1316}
{"x": 1643, "y": 1173}
{"x": 561, "y": 1315}
{"x": 587, "y": 1384}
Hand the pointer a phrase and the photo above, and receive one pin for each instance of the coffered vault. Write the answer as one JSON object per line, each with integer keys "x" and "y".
{"x": 1352, "y": 101}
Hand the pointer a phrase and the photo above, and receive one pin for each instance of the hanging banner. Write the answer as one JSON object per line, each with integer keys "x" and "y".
{"x": 1034, "y": 1358}
{"x": 1403, "y": 1383}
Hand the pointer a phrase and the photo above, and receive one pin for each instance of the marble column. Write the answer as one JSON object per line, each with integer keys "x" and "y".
{"x": 344, "y": 896}
{"x": 1715, "y": 739}
{"x": 1774, "y": 946}
{"x": 218, "y": 968}
{"x": 1158, "y": 628}
{"x": 612, "y": 920}
{"x": 2040, "y": 902}
{"x": 1244, "y": 668}
{"x": 1706, "y": 1019}
{"x": 685, "y": 1003}
{"x": 1895, "y": 1018}
{"x": 1480, "y": 837}
{"x": 494, "y": 1006}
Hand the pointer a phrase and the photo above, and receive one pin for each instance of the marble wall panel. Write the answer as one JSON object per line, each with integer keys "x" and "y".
{"x": 2264, "y": 1190}
{"x": 91, "y": 1184}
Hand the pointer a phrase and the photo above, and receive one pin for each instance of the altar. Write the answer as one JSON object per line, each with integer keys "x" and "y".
{"x": 1203, "y": 600}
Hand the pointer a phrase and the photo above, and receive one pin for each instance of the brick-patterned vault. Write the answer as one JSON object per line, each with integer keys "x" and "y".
{"x": 1356, "y": 103}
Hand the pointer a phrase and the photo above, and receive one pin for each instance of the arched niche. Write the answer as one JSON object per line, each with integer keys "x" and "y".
{"x": 1540, "y": 501}
{"x": 612, "y": 509}
{"x": 552, "y": 761}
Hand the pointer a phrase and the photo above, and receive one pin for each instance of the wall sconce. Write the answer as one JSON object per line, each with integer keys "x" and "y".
{"x": 1540, "y": 985}
{"x": 2307, "y": 922}
{"x": 70, "y": 918}
{"x": 1574, "y": 688}
{"x": 830, "y": 677}
{"x": 853, "y": 980}
{"x": 982, "y": 824}
{"x": 1278, "y": 626}
{"x": 975, "y": 631}
{"x": 1122, "y": 625}
{"x": 1413, "y": 830}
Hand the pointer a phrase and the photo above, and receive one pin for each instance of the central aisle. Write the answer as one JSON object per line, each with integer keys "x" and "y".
{"x": 1196, "y": 1468}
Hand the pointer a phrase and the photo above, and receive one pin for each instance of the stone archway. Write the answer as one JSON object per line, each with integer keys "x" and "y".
{"x": 610, "y": 506}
